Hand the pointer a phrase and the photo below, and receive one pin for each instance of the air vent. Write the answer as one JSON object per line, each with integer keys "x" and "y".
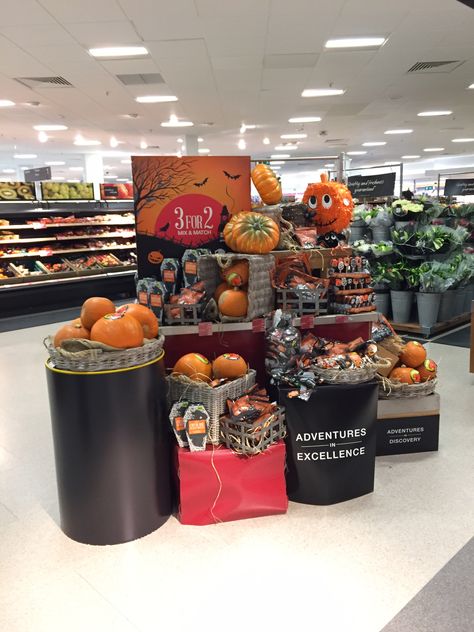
{"x": 153, "y": 146}
{"x": 44, "y": 82}
{"x": 144, "y": 79}
{"x": 435, "y": 66}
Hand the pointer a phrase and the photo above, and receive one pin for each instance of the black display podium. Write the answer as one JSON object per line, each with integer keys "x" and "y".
{"x": 112, "y": 451}
{"x": 331, "y": 443}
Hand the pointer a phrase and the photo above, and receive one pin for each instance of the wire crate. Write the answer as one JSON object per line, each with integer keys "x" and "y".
{"x": 251, "y": 438}
{"x": 299, "y": 301}
{"x": 178, "y": 314}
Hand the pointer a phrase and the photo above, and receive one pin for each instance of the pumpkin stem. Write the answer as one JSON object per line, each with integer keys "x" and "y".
{"x": 324, "y": 177}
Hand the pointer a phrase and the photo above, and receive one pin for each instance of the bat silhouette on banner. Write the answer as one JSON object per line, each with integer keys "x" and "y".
{"x": 202, "y": 183}
{"x": 231, "y": 177}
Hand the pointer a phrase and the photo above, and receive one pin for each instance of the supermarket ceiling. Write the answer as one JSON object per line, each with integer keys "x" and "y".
{"x": 231, "y": 62}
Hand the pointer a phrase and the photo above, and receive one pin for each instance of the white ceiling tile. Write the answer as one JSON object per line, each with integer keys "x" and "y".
{"x": 24, "y": 13}
{"x": 117, "y": 33}
{"x": 163, "y": 20}
{"x": 219, "y": 9}
{"x": 14, "y": 62}
{"x": 130, "y": 66}
{"x": 37, "y": 35}
{"x": 236, "y": 62}
{"x": 84, "y": 11}
{"x": 52, "y": 52}
{"x": 244, "y": 36}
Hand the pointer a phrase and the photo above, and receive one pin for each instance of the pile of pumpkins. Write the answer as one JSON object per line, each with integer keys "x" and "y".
{"x": 198, "y": 368}
{"x": 231, "y": 295}
{"x": 414, "y": 367}
{"x": 124, "y": 327}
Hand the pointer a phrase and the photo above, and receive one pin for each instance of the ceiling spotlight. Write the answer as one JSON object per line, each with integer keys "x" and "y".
{"x": 174, "y": 122}
{"x": 375, "y": 143}
{"x": 304, "y": 119}
{"x": 6, "y": 103}
{"x": 179, "y": 140}
{"x": 398, "y": 131}
{"x": 113, "y": 142}
{"x": 50, "y": 128}
{"x": 200, "y": 139}
{"x": 435, "y": 113}
{"x": 433, "y": 149}
{"x": 355, "y": 42}
{"x": 119, "y": 51}
{"x": 322, "y": 92}
{"x": 156, "y": 99}
{"x": 266, "y": 141}
{"x": 462, "y": 140}
{"x": 409, "y": 156}
{"x": 471, "y": 87}
{"x": 81, "y": 141}
{"x": 25, "y": 156}
{"x": 293, "y": 136}
{"x": 204, "y": 150}
{"x": 183, "y": 147}
{"x": 241, "y": 144}
{"x": 43, "y": 137}
{"x": 143, "y": 144}
{"x": 356, "y": 153}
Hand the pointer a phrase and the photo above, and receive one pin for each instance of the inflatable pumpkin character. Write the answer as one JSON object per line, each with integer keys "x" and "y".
{"x": 330, "y": 205}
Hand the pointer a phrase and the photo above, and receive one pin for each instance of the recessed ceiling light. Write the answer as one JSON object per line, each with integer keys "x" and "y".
{"x": 304, "y": 119}
{"x": 50, "y": 128}
{"x": 356, "y": 153}
{"x": 408, "y": 156}
{"x": 76, "y": 168}
{"x": 245, "y": 127}
{"x": 287, "y": 147}
{"x": 398, "y": 131}
{"x": 375, "y": 143}
{"x": 433, "y": 149}
{"x": 8, "y": 170}
{"x": 329, "y": 165}
{"x": 55, "y": 163}
{"x": 266, "y": 140}
{"x": 322, "y": 92}
{"x": 118, "y": 51}
{"x": 122, "y": 179}
{"x": 174, "y": 122}
{"x": 113, "y": 142}
{"x": 143, "y": 144}
{"x": 25, "y": 156}
{"x": 183, "y": 147}
{"x": 277, "y": 162}
{"x": 6, "y": 103}
{"x": 156, "y": 99}
{"x": 355, "y": 42}
{"x": 391, "y": 162}
{"x": 128, "y": 161}
{"x": 204, "y": 150}
{"x": 200, "y": 139}
{"x": 293, "y": 136}
{"x": 241, "y": 144}
{"x": 471, "y": 87}
{"x": 86, "y": 142}
{"x": 462, "y": 140}
{"x": 180, "y": 140}
{"x": 43, "y": 137}
{"x": 276, "y": 156}
{"x": 435, "y": 113}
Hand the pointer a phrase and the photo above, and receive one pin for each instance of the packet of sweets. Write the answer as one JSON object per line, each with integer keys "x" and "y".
{"x": 157, "y": 295}
{"x": 196, "y": 421}
{"x": 189, "y": 262}
{"x": 177, "y": 413}
{"x": 170, "y": 272}
{"x": 142, "y": 291}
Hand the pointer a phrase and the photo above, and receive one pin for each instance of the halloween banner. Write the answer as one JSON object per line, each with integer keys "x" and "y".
{"x": 459, "y": 187}
{"x": 380, "y": 185}
{"x": 183, "y": 203}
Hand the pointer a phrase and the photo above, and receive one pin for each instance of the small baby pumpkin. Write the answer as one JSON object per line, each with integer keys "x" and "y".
{"x": 330, "y": 204}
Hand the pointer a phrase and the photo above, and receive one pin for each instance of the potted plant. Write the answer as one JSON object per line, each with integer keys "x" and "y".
{"x": 381, "y": 282}
{"x": 432, "y": 284}
{"x": 358, "y": 226}
{"x": 406, "y": 242}
{"x": 401, "y": 297}
{"x": 380, "y": 220}
{"x": 407, "y": 210}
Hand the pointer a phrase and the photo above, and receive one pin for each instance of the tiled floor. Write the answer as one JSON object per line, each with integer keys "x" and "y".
{"x": 348, "y": 567}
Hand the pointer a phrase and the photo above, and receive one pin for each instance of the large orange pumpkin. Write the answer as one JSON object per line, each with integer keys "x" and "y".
{"x": 266, "y": 183}
{"x": 71, "y": 330}
{"x": 230, "y": 366}
{"x": 251, "y": 233}
{"x": 195, "y": 366}
{"x": 222, "y": 287}
{"x": 405, "y": 375}
{"x": 94, "y": 308}
{"x": 427, "y": 370}
{"x": 145, "y": 317}
{"x": 234, "y": 303}
{"x": 413, "y": 354}
{"x": 118, "y": 330}
{"x": 236, "y": 274}
{"x": 330, "y": 204}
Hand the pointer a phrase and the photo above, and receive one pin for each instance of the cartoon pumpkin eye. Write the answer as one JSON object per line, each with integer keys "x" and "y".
{"x": 327, "y": 200}
{"x": 313, "y": 201}
{"x": 346, "y": 202}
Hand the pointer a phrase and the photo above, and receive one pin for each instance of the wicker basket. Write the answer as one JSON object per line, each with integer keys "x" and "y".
{"x": 388, "y": 389}
{"x": 213, "y": 399}
{"x": 261, "y": 295}
{"x": 89, "y": 356}
{"x": 351, "y": 376}
{"x": 188, "y": 314}
{"x": 299, "y": 302}
{"x": 245, "y": 438}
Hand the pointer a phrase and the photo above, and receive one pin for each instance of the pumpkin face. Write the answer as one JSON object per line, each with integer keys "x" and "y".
{"x": 413, "y": 354}
{"x": 195, "y": 366}
{"x": 71, "y": 330}
{"x": 230, "y": 366}
{"x": 234, "y": 303}
{"x": 405, "y": 375}
{"x": 427, "y": 370}
{"x": 118, "y": 330}
{"x": 251, "y": 233}
{"x": 266, "y": 183}
{"x": 94, "y": 308}
{"x": 330, "y": 204}
{"x": 145, "y": 317}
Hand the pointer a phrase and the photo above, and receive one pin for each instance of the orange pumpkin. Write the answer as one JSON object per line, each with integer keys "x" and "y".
{"x": 71, "y": 330}
{"x": 266, "y": 183}
{"x": 234, "y": 303}
{"x": 413, "y": 354}
{"x": 230, "y": 366}
{"x": 405, "y": 375}
{"x": 195, "y": 366}
{"x": 94, "y": 308}
{"x": 222, "y": 287}
{"x": 330, "y": 204}
{"x": 236, "y": 274}
{"x": 427, "y": 370}
{"x": 145, "y": 317}
{"x": 251, "y": 233}
{"x": 118, "y": 330}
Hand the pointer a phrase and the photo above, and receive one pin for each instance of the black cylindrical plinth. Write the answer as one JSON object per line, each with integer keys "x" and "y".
{"x": 331, "y": 443}
{"x": 112, "y": 452}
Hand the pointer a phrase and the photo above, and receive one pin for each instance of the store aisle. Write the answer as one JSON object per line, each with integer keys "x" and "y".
{"x": 351, "y": 566}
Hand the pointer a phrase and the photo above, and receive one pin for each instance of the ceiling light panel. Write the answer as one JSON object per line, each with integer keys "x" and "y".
{"x": 398, "y": 131}
{"x": 374, "y": 143}
{"x": 462, "y": 140}
{"x": 433, "y": 149}
{"x": 156, "y": 98}
{"x": 304, "y": 119}
{"x": 356, "y": 153}
{"x": 25, "y": 156}
{"x": 410, "y": 156}
{"x": 277, "y": 156}
{"x": 112, "y": 52}
{"x": 322, "y": 92}
{"x": 287, "y": 147}
{"x": 6, "y": 103}
{"x": 435, "y": 113}
{"x": 355, "y": 42}
{"x": 293, "y": 136}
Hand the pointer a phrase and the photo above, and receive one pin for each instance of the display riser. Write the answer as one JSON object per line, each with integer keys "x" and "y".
{"x": 438, "y": 328}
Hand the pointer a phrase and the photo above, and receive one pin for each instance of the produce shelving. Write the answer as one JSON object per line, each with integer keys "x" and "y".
{"x": 438, "y": 328}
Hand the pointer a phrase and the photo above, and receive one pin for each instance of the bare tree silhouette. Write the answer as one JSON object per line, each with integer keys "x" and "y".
{"x": 156, "y": 179}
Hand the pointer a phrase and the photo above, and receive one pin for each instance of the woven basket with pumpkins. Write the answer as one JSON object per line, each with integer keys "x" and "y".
{"x": 414, "y": 377}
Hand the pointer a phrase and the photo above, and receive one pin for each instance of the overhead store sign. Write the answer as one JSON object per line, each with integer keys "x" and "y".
{"x": 459, "y": 187}
{"x": 380, "y": 185}
{"x": 38, "y": 174}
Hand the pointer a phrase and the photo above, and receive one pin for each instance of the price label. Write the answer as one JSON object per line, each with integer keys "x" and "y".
{"x": 258, "y": 325}
{"x": 307, "y": 322}
{"x": 342, "y": 319}
{"x": 205, "y": 329}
